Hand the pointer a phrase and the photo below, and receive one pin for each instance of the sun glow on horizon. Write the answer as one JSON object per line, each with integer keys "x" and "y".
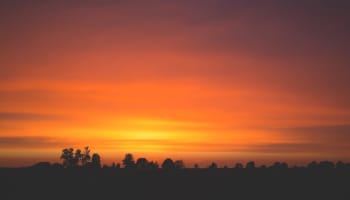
{"x": 226, "y": 79}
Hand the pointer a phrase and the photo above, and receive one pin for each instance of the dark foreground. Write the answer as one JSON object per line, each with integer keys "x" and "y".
{"x": 296, "y": 184}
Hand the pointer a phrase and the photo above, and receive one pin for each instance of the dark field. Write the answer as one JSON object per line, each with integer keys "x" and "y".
{"x": 32, "y": 183}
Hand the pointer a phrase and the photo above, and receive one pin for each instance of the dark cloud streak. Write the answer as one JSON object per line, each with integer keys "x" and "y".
{"x": 29, "y": 142}
{"x": 10, "y": 116}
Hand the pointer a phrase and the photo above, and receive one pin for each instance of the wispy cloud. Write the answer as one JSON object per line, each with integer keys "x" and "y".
{"x": 30, "y": 142}
{"x": 337, "y": 134}
{"x": 9, "y": 116}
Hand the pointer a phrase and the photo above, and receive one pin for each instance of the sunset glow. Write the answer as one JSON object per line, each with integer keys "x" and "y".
{"x": 223, "y": 81}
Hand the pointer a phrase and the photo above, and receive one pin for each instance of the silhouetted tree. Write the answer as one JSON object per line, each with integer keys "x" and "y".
{"x": 68, "y": 157}
{"x": 113, "y": 165}
{"x": 85, "y": 156}
{"x": 77, "y": 157}
{"x": 278, "y": 165}
{"x": 239, "y": 166}
{"x": 196, "y": 166}
{"x": 73, "y": 159}
{"x": 250, "y": 165}
{"x": 312, "y": 165}
{"x": 142, "y": 163}
{"x": 179, "y": 164}
{"x": 213, "y": 165}
{"x": 340, "y": 165}
{"x": 128, "y": 161}
{"x": 96, "y": 161}
{"x": 326, "y": 165}
{"x": 153, "y": 165}
{"x": 168, "y": 164}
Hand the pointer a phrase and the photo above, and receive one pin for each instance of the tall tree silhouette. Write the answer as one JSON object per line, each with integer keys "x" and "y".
{"x": 85, "y": 157}
{"x": 128, "y": 161}
{"x": 77, "y": 157}
{"x": 96, "y": 160}
{"x": 68, "y": 157}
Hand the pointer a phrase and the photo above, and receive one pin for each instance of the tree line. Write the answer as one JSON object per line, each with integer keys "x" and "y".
{"x": 83, "y": 159}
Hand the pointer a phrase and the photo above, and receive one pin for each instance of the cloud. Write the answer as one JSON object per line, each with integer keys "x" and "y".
{"x": 286, "y": 148}
{"x": 29, "y": 142}
{"x": 15, "y": 116}
{"x": 325, "y": 134}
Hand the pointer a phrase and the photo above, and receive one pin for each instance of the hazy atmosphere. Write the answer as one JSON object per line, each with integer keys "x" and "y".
{"x": 202, "y": 81}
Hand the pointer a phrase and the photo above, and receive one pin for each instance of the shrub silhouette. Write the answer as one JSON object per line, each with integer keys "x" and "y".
{"x": 312, "y": 165}
{"x": 263, "y": 167}
{"x": 239, "y": 166}
{"x": 326, "y": 165}
{"x": 42, "y": 165}
{"x": 213, "y": 165}
{"x": 279, "y": 165}
{"x": 142, "y": 163}
{"x": 340, "y": 165}
{"x": 153, "y": 165}
{"x": 57, "y": 165}
{"x": 250, "y": 165}
{"x": 179, "y": 164}
{"x": 168, "y": 164}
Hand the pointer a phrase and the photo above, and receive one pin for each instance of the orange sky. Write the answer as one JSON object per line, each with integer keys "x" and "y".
{"x": 203, "y": 81}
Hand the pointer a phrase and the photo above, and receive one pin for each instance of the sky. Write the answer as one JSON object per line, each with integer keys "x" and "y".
{"x": 198, "y": 80}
